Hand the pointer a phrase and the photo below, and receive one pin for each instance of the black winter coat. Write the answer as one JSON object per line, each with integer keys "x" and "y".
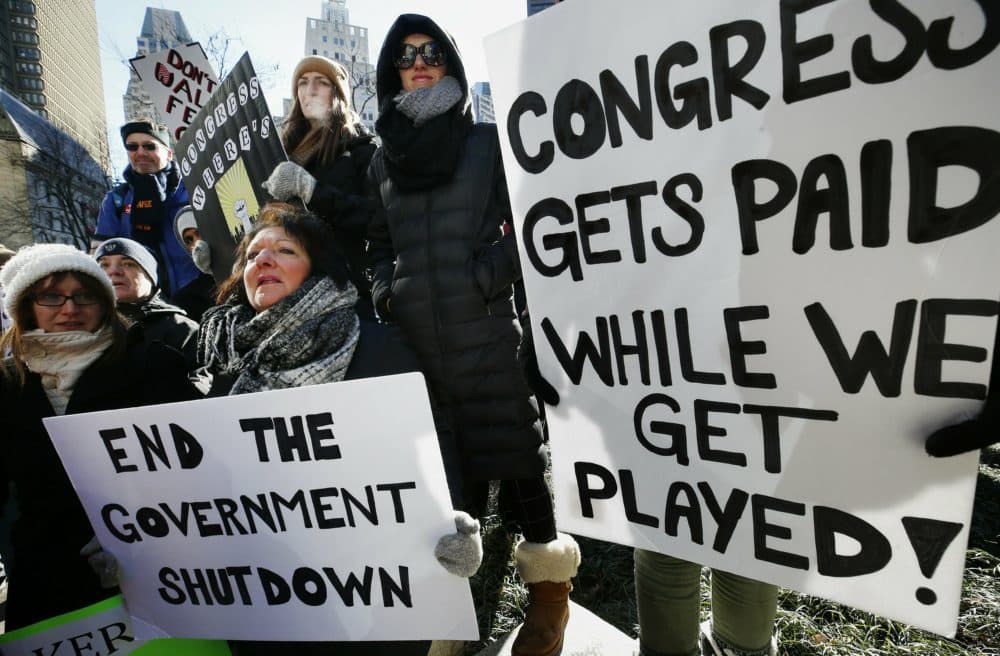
{"x": 48, "y": 575}
{"x": 339, "y": 199}
{"x": 163, "y": 322}
{"x": 437, "y": 254}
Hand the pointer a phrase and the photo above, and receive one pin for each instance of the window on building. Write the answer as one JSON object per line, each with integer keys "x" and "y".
{"x": 33, "y": 98}
{"x": 24, "y": 37}
{"x": 30, "y": 83}
{"x": 324, "y": 38}
{"x": 22, "y": 6}
{"x": 28, "y": 53}
{"x": 314, "y": 51}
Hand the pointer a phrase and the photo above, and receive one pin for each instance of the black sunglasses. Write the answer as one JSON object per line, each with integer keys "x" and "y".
{"x": 149, "y": 145}
{"x": 431, "y": 51}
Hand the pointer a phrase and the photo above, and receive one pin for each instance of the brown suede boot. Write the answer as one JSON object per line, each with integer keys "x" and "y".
{"x": 546, "y": 569}
{"x": 544, "y": 621}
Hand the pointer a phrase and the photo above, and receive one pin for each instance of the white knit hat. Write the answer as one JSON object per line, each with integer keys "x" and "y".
{"x": 32, "y": 263}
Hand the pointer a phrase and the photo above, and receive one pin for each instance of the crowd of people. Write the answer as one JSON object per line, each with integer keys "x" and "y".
{"x": 405, "y": 260}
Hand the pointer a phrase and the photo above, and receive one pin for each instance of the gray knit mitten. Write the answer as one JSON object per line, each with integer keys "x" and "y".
{"x": 461, "y": 552}
{"x": 103, "y": 563}
{"x": 289, "y": 180}
{"x": 202, "y": 256}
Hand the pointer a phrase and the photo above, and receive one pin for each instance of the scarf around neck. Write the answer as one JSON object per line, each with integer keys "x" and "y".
{"x": 61, "y": 358}
{"x": 424, "y": 154}
{"x": 424, "y": 103}
{"x": 307, "y": 338}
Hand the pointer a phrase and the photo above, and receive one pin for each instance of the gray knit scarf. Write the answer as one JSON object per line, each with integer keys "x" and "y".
{"x": 423, "y": 104}
{"x": 307, "y": 338}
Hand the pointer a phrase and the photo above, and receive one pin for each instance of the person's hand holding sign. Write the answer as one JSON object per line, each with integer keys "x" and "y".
{"x": 968, "y": 435}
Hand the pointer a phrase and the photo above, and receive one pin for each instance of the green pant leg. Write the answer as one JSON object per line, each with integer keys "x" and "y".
{"x": 667, "y": 599}
{"x": 743, "y": 610}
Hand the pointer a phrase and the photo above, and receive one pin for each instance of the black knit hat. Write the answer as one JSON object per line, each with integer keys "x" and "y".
{"x": 157, "y": 131}
{"x": 131, "y": 249}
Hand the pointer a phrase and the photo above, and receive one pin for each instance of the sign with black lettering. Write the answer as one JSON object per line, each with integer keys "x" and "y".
{"x": 299, "y": 514}
{"x": 179, "y": 82}
{"x": 225, "y": 155}
{"x": 102, "y": 628}
{"x": 759, "y": 250}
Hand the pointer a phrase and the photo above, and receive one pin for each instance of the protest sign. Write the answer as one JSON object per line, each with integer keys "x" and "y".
{"x": 102, "y": 628}
{"x": 279, "y": 515}
{"x": 225, "y": 155}
{"x": 179, "y": 81}
{"x": 759, "y": 254}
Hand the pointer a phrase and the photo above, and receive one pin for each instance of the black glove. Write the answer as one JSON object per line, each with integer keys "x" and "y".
{"x": 529, "y": 365}
{"x": 966, "y": 436}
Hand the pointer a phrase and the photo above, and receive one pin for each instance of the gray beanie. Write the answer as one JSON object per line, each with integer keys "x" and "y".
{"x": 33, "y": 263}
{"x": 132, "y": 249}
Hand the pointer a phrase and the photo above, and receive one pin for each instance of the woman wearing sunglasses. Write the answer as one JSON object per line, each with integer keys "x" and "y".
{"x": 329, "y": 149}
{"x": 71, "y": 353}
{"x": 444, "y": 269}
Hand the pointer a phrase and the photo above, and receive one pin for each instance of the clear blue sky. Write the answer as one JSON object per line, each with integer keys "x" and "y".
{"x": 274, "y": 34}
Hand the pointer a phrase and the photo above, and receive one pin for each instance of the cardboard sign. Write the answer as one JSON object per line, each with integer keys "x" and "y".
{"x": 179, "y": 81}
{"x": 760, "y": 256}
{"x": 102, "y": 628}
{"x": 300, "y": 514}
{"x": 227, "y": 153}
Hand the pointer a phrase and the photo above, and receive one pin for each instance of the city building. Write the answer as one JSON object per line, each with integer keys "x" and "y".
{"x": 482, "y": 103}
{"x": 51, "y": 187}
{"x": 334, "y": 37}
{"x": 50, "y": 60}
{"x": 535, "y": 6}
{"x": 162, "y": 29}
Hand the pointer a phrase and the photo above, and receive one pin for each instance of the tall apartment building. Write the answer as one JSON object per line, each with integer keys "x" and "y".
{"x": 162, "y": 29}
{"x": 334, "y": 37}
{"x": 50, "y": 60}
{"x": 482, "y": 103}
{"x": 53, "y": 139}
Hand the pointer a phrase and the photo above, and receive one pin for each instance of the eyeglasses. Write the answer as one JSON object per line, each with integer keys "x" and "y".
{"x": 50, "y": 299}
{"x": 149, "y": 145}
{"x": 431, "y": 51}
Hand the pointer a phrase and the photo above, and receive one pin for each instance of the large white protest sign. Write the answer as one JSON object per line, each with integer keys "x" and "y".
{"x": 101, "y": 628}
{"x": 760, "y": 259}
{"x": 179, "y": 81}
{"x": 302, "y": 514}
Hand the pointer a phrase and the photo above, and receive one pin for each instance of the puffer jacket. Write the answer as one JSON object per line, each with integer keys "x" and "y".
{"x": 440, "y": 264}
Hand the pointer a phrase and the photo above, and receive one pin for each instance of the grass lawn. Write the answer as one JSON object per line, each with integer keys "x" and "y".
{"x": 807, "y": 626}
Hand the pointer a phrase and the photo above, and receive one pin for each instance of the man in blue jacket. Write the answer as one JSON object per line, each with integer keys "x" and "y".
{"x": 143, "y": 207}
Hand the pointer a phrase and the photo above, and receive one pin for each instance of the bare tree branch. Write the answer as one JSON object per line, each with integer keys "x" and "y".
{"x": 63, "y": 191}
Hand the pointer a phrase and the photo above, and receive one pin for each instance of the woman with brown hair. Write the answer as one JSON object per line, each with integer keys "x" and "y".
{"x": 329, "y": 150}
{"x": 286, "y": 318}
{"x": 71, "y": 353}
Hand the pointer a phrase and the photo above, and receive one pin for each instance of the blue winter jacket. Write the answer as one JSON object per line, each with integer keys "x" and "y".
{"x": 116, "y": 222}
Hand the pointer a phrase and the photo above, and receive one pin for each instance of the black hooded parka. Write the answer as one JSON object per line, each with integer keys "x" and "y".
{"x": 446, "y": 275}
